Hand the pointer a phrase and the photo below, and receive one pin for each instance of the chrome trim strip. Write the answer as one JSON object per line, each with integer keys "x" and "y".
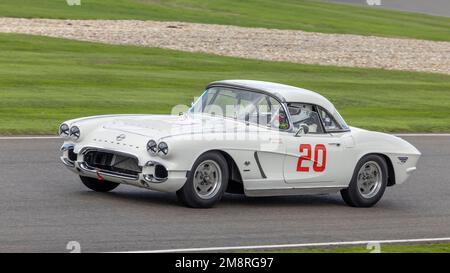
{"x": 85, "y": 150}
{"x": 67, "y": 162}
{"x": 87, "y": 168}
{"x": 292, "y": 191}
{"x": 151, "y": 178}
{"x": 67, "y": 147}
{"x": 263, "y": 175}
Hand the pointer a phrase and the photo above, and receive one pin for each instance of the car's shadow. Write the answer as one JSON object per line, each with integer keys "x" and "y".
{"x": 297, "y": 200}
{"x": 143, "y": 197}
{"x": 133, "y": 197}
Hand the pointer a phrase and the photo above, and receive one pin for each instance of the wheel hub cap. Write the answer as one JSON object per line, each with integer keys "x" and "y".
{"x": 369, "y": 179}
{"x": 207, "y": 179}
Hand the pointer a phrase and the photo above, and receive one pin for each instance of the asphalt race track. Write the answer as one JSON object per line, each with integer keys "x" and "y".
{"x": 43, "y": 206}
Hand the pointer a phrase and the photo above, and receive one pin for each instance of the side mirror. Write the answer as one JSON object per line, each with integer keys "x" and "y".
{"x": 302, "y": 130}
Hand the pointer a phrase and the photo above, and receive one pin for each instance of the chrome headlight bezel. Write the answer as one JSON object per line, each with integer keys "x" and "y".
{"x": 64, "y": 130}
{"x": 75, "y": 132}
{"x": 152, "y": 147}
{"x": 163, "y": 148}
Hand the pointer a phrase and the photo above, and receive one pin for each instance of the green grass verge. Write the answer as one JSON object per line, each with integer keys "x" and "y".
{"x": 44, "y": 81}
{"x": 306, "y": 15}
{"x": 423, "y": 248}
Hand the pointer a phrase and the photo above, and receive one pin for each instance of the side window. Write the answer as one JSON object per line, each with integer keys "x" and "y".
{"x": 305, "y": 116}
{"x": 328, "y": 121}
{"x": 271, "y": 113}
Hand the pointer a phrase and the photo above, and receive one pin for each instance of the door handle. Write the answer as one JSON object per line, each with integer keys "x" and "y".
{"x": 335, "y": 144}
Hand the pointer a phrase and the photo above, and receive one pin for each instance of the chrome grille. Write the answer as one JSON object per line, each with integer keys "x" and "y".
{"x": 112, "y": 162}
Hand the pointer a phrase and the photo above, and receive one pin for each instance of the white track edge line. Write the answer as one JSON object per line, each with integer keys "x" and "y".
{"x": 29, "y": 138}
{"x": 205, "y": 249}
{"x": 421, "y": 135}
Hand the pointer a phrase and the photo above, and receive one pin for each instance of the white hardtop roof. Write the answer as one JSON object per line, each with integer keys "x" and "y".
{"x": 285, "y": 92}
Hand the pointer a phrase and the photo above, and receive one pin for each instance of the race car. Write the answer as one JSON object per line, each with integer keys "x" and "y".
{"x": 240, "y": 136}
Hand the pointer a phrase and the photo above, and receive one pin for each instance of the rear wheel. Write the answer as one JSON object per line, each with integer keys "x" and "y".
{"x": 206, "y": 182}
{"x": 368, "y": 182}
{"x": 98, "y": 185}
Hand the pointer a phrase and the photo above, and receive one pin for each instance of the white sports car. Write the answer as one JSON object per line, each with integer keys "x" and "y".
{"x": 241, "y": 136}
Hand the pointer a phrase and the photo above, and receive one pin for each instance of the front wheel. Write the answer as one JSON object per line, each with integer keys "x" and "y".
{"x": 368, "y": 182}
{"x": 206, "y": 181}
{"x": 98, "y": 185}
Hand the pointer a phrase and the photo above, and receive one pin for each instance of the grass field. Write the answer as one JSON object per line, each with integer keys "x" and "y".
{"x": 287, "y": 14}
{"x": 423, "y": 248}
{"x": 44, "y": 81}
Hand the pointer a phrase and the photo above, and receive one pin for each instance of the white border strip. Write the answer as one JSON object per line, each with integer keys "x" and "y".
{"x": 57, "y": 137}
{"x": 260, "y": 247}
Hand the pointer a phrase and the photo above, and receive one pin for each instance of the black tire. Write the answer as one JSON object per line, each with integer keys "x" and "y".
{"x": 353, "y": 196}
{"x": 97, "y": 185}
{"x": 188, "y": 195}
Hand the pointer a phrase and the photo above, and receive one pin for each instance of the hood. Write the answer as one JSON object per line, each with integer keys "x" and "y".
{"x": 162, "y": 126}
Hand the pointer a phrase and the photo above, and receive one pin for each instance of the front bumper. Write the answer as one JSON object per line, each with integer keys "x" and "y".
{"x": 148, "y": 179}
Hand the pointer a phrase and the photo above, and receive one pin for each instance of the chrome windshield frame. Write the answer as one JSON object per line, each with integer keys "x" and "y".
{"x": 276, "y": 97}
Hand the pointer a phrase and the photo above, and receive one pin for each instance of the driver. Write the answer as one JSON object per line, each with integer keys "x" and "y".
{"x": 303, "y": 115}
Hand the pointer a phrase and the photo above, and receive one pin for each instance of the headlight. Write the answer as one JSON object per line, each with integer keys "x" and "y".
{"x": 163, "y": 148}
{"x": 64, "y": 130}
{"x": 152, "y": 147}
{"x": 75, "y": 132}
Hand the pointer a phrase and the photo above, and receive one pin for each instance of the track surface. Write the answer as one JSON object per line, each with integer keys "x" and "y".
{"x": 43, "y": 206}
{"x": 433, "y": 7}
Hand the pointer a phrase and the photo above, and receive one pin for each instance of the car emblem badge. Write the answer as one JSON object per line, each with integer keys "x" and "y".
{"x": 121, "y": 137}
{"x": 403, "y": 159}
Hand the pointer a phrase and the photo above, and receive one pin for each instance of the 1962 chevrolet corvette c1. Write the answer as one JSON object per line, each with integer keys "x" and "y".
{"x": 240, "y": 136}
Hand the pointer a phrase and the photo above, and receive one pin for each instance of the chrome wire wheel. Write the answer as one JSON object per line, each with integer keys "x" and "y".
{"x": 369, "y": 179}
{"x": 207, "y": 179}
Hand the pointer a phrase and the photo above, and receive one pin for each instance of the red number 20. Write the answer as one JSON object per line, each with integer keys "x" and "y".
{"x": 316, "y": 166}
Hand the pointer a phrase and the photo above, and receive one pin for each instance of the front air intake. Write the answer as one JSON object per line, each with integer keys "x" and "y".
{"x": 111, "y": 162}
{"x": 160, "y": 172}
